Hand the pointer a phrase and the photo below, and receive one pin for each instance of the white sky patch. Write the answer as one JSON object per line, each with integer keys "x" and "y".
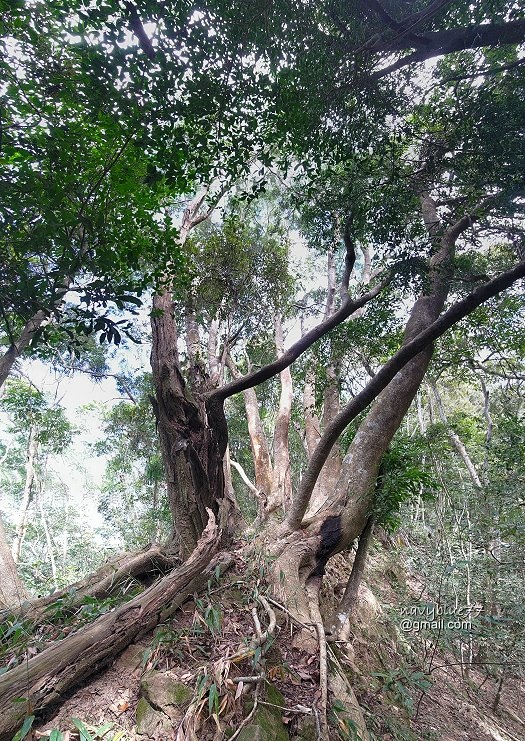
{"x": 77, "y": 468}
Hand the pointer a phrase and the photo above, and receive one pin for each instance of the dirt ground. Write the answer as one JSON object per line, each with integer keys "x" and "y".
{"x": 453, "y": 709}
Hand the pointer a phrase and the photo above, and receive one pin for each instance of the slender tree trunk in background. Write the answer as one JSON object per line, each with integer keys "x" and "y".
{"x": 329, "y": 474}
{"x": 331, "y": 470}
{"x": 49, "y": 540}
{"x": 349, "y": 599}
{"x": 262, "y": 462}
{"x": 312, "y": 426}
{"x": 281, "y": 491}
{"x": 213, "y": 362}
{"x": 27, "y": 497}
{"x": 455, "y": 440}
{"x": 12, "y": 591}
{"x": 499, "y": 689}
{"x": 193, "y": 341}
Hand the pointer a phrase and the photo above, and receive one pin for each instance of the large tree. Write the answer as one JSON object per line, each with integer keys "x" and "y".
{"x": 429, "y": 176}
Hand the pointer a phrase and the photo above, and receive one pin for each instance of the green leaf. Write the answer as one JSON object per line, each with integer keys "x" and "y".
{"x": 26, "y": 727}
{"x": 103, "y": 729}
{"x": 213, "y": 700}
{"x": 85, "y": 735}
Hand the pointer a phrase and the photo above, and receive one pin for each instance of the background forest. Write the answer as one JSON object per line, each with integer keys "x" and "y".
{"x": 262, "y": 423}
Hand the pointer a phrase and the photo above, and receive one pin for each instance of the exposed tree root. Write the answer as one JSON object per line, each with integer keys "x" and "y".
{"x": 349, "y": 599}
{"x": 43, "y": 680}
{"x": 217, "y": 675}
{"x": 353, "y": 721}
{"x": 300, "y": 566}
{"x": 313, "y": 587}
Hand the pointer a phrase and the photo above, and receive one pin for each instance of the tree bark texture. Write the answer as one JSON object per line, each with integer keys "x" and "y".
{"x": 192, "y": 447}
{"x": 349, "y": 599}
{"x": 18, "y": 346}
{"x": 193, "y": 467}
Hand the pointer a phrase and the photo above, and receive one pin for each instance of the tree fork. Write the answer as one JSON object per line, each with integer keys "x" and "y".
{"x": 448, "y": 319}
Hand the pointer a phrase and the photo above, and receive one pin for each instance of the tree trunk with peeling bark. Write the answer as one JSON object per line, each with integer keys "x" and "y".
{"x": 193, "y": 448}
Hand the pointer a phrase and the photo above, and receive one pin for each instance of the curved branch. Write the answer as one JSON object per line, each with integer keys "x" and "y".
{"x": 287, "y": 358}
{"x": 438, "y": 43}
{"x": 454, "y": 314}
{"x": 242, "y": 473}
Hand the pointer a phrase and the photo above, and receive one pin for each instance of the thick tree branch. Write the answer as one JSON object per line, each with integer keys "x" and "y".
{"x": 138, "y": 29}
{"x": 454, "y": 314}
{"x": 288, "y": 357}
{"x": 404, "y": 27}
{"x": 438, "y": 43}
{"x": 17, "y": 348}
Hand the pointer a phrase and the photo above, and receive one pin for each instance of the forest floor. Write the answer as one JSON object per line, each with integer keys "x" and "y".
{"x": 378, "y": 663}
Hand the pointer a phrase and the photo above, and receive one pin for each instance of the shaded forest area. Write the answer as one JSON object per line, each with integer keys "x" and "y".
{"x": 302, "y": 518}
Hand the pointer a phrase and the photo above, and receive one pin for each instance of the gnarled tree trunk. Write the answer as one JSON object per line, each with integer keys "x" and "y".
{"x": 192, "y": 448}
